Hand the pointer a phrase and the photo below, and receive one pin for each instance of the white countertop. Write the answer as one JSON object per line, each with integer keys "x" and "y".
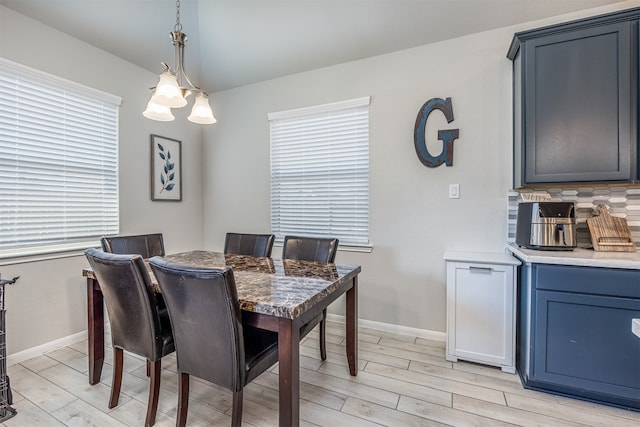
{"x": 579, "y": 257}
{"x": 481, "y": 257}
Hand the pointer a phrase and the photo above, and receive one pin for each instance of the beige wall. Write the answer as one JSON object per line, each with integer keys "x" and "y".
{"x": 413, "y": 222}
{"x": 48, "y": 302}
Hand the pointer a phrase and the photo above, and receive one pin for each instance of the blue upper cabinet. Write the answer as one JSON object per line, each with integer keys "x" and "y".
{"x": 575, "y": 101}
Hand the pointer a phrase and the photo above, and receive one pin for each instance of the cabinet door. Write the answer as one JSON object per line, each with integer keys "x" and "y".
{"x": 578, "y": 112}
{"x": 584, "y": 346}
{"x": 481, "y": 313}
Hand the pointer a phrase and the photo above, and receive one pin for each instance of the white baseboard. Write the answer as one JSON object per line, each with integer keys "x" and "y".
{"x": 29, "y": 353}
{"x": 396, "y": 329}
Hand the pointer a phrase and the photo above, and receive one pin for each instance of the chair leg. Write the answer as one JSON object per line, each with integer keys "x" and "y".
{"x": 148, "y": 368}
{"x": 323, "y": 335}
{"x": 116, "y": 382}
{"x": 236, "y": 416}
{"x": 183, "y": 399}
{"x": 154, "y": 392}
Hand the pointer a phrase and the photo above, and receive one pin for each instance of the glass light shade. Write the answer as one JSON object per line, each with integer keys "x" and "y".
{"x": 201, "y": 112}
{"x": 168, "y": 93}
{"x": 158, "y": 112}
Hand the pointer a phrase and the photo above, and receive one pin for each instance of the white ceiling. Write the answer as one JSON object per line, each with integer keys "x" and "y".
{"x": 237, "y": 42}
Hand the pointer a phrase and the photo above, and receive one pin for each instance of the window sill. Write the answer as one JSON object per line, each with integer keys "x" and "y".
{"x": 45, "y": 253}
{"x": 356, "y": 248}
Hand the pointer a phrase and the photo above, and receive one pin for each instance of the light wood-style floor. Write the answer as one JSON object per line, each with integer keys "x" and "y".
{"x": 403, "y": 381}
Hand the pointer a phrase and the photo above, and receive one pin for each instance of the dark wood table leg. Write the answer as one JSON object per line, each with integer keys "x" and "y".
{"x": 95, "y": 330}
{"x": 289, "y": 366}
{"x": 352, "y": 327}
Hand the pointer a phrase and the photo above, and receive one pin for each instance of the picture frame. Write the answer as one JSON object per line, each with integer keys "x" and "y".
{"x": 166, "y": 169}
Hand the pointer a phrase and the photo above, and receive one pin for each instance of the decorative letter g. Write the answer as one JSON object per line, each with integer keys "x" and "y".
{"x": 446, "y": 136}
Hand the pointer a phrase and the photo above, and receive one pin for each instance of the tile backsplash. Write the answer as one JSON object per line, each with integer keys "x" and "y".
{"x": 623, "y": 202}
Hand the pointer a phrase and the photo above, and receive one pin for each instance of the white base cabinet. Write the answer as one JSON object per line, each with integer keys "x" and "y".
{"x": 481, "y": 308}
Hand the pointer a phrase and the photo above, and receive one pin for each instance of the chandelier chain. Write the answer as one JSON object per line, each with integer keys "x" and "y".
{"x": 178, "y": 26}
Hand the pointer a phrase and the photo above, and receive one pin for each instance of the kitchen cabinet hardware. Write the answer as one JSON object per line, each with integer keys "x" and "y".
{"x": 481, "y": 269}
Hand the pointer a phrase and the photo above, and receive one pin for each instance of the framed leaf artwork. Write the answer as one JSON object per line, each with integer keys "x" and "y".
{"x": 166, "y": 169}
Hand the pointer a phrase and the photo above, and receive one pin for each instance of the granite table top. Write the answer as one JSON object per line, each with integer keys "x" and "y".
{"x": 281, "y": 288}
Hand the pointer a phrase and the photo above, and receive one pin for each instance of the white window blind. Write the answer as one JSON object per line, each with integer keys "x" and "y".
{"x": 58, "y": 160}
{"x": 320, "y": 171}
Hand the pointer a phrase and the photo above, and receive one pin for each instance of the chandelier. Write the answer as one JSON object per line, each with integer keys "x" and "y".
{"x": 171, "y": 92}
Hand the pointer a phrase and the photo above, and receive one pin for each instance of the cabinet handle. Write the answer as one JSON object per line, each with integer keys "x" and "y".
{"x": 480, "y": 269}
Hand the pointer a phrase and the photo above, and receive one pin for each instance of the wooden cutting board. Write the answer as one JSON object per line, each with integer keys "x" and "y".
{"x": 610, "y": 233}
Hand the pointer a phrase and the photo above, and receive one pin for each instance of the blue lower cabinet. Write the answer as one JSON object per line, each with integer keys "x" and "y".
{"x": 575, "y": 333}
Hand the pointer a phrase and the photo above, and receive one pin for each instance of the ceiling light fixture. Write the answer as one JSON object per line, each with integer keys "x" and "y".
{"x": 171, "y": 92}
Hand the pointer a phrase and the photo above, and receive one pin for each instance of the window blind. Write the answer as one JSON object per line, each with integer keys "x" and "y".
{"x": 58, "y": 160}
{"x": 320, "y": 171}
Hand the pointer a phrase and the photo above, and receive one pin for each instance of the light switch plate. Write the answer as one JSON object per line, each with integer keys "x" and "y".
{"x": 454, "y": 191}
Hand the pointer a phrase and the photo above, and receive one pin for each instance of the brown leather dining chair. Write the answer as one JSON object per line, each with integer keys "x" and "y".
{"x": 138, "y": 324}
{"x": 312, "y": 249}
{"x": 211, "y": 341}
{"x": 146, "y": 245}
{"x": 259, "y": 245}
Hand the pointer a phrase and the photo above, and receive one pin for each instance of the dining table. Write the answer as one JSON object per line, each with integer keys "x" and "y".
{"x": 278, "y": 295}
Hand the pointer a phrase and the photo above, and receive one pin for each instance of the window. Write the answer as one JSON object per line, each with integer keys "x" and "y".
{"x": 320, "y": 172}
{"x": 59, "y": 162}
